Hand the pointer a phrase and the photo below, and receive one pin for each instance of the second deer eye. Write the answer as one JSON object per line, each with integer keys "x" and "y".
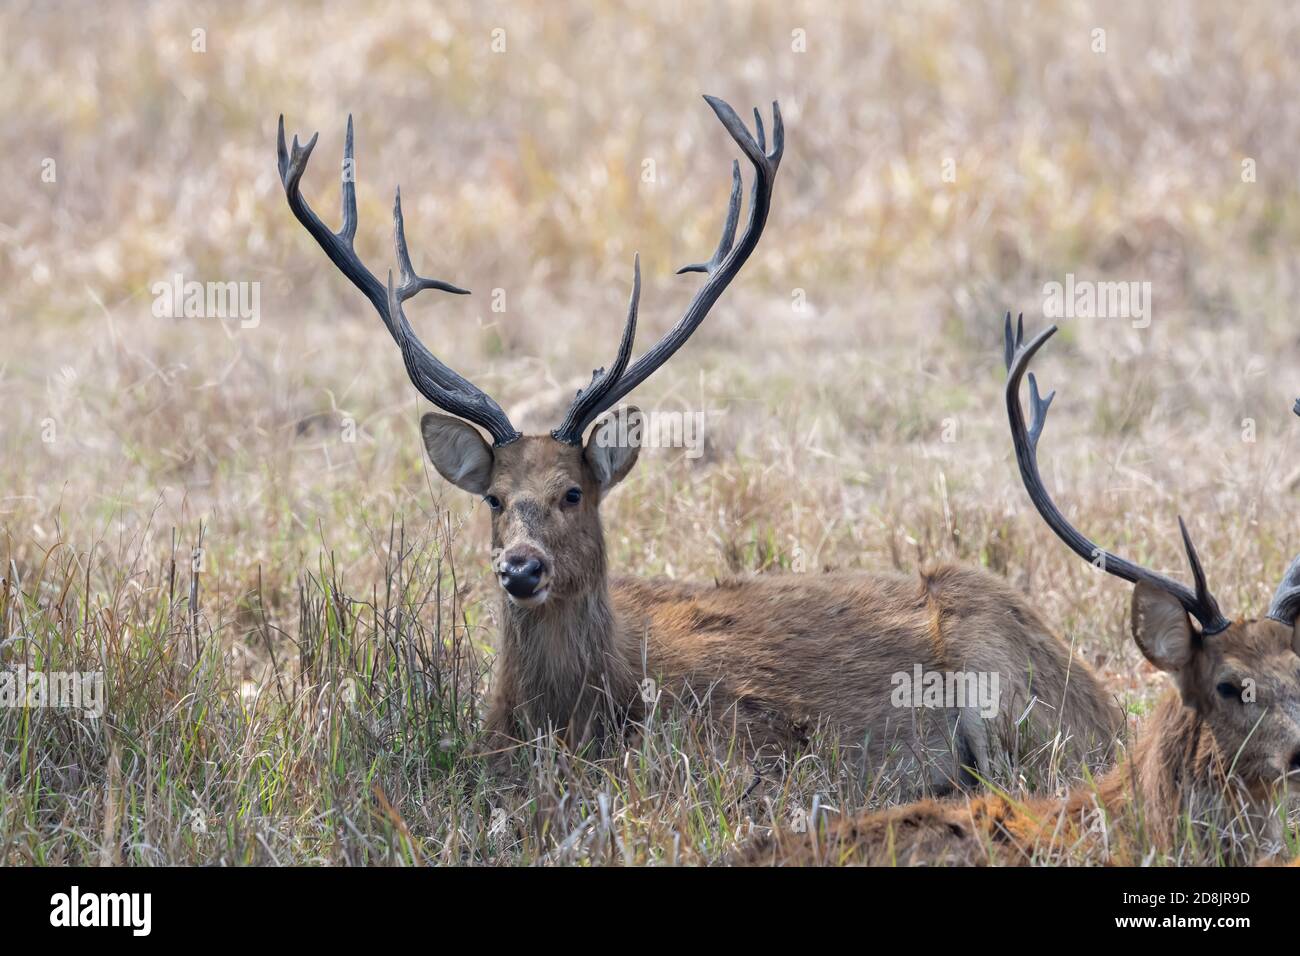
{"x": 1229, "y": 691}
{"x": 573, "y": 496}
{"x": 493, "y": 502}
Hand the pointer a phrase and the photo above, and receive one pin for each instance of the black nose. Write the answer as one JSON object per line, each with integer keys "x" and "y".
{"x": 520, "y": 576}
{"x": 1295, "y": 762}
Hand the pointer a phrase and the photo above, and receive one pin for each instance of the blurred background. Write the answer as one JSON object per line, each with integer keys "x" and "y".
{"x": 944, "y": 162}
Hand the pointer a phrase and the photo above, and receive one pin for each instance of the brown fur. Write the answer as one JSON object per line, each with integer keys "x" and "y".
{"x": 777, "y": 656}
{"x": 1214, "y": 765}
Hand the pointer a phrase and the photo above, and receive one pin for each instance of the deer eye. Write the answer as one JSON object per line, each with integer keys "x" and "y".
{"x": 1229, "y": 691}
{"x": 573, "y": 495}
{"x": 493, "y": 502}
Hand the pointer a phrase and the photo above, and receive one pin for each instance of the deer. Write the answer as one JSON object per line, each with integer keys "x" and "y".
{"x": 1217, "y": 758}
{"x": 777, "y": 657}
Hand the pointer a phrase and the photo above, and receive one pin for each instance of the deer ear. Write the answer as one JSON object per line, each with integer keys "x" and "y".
{"x": 613, "y": 446}
{"x": 458, "y": 451}
{"x": 1161, "y": 628}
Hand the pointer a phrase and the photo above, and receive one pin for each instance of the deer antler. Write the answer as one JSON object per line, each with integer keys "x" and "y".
{"x": 434, "y": 380}
{"x": 1199, "y": 603}
{"x": 1285, "y": 606}
{"x": 609, "y": 385}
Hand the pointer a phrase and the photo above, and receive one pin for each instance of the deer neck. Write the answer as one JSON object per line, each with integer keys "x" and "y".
{"x": 565, "y": 657}
{"x": 1176, "y": 771}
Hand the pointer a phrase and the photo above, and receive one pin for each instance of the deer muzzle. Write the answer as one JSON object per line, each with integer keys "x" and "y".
{"x": 524, "y": 574}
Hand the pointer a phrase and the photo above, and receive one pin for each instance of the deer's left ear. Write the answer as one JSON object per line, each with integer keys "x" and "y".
{"x": 613, "y": 446}
{"x": 1161, "y": 628}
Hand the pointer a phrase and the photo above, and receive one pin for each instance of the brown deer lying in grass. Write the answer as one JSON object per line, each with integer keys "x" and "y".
{"x": 776, "y": 656}
{"x": 1216, "y": 761}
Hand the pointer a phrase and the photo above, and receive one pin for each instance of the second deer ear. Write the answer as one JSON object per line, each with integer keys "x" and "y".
{"x": 613, "y": 446}
{"x": 1161, "y": 628}
{"x": 458, "y": 451}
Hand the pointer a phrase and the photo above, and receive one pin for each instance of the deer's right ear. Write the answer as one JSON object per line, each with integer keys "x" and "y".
{"x": 613, "y": 446}
{"x": 1161, "y": 628}
{"x": 458, "y": 451}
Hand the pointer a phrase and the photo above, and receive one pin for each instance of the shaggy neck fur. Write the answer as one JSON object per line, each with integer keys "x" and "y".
{"x": 565, "y": 659}
{"x": 1177, "y": 772}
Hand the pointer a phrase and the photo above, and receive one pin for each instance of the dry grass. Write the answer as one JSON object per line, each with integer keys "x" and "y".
{"x": 317, "y": 705}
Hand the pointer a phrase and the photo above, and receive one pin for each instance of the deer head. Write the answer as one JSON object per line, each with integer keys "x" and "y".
{"x": 543, "y": 491}
{"x": 1241, "y": 678}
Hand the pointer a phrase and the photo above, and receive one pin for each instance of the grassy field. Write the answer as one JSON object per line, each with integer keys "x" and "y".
{"x": 309, "y": 690}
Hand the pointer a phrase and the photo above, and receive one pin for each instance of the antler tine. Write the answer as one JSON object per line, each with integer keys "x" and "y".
{"x": 721, "y": 268}
{"x": 728, "y": 228}
{"x": 411, "y": 282}
{"x": 1199, "y": 603}
{"x": 1039, "y": 406}
{"x": 348, "y": 231}
{"x": 293, "y": 164}
{"x": 629, "y": 327}
{"x": 592, "y": 397}
{"x": 1285, "y": 606}
{"x": 1204, "y": 599}
{"x": 438, "y": 383}
{"x": 1011, "y": 343}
